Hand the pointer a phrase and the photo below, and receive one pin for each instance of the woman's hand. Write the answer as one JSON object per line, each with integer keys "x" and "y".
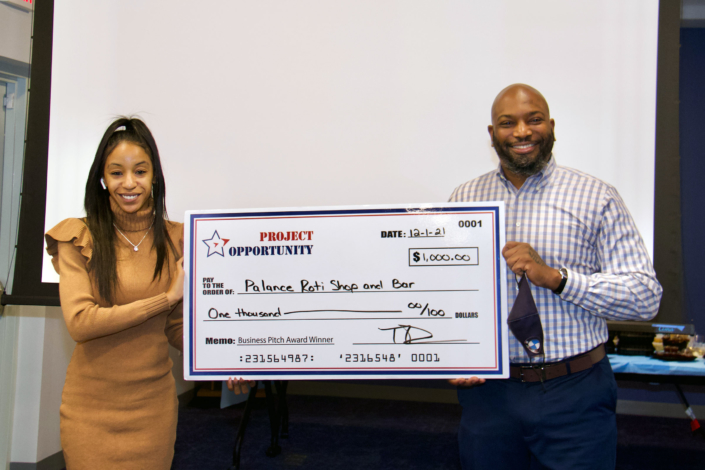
{"x": 239, "y": 386}
{"x": 176, "y": 288}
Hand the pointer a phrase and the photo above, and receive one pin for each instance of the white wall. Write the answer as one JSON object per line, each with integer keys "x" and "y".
{"x": 9, "y": 323}
{"x": 15, "y": 32}
{"x": 30, "y": 386}
{"x": 44, "y": 349}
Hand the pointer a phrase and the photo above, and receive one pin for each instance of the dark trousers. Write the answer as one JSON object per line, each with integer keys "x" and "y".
{"x": 568, "y": 423}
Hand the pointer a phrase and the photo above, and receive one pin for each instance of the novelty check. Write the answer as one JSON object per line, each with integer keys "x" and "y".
{"x": 401, "y": 291}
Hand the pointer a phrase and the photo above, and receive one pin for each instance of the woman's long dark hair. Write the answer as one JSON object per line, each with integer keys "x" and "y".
{"x": 99, "y": 218}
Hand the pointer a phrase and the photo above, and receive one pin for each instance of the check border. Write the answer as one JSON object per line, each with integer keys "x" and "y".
{"x": 194, "y": 217}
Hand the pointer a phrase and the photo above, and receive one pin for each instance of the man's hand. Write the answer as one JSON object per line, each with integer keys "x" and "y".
{"x": 240, "y": 385}
{"x": 521, "y": 258}
{"x": 467, "y": 383}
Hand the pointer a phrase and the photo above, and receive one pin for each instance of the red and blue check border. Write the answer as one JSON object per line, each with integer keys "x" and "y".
{"x": 500, "y": 315}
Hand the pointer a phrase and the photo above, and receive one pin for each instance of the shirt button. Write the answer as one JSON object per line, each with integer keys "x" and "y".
{"x": 518, "y": 224}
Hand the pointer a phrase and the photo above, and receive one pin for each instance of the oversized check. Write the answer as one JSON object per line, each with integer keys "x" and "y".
{"x": 402, "y": 291}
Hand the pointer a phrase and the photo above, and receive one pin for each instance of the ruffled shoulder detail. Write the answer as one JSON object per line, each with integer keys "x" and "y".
{"x": 69, "y": 230}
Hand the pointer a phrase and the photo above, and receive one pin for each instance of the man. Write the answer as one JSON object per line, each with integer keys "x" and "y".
{"x": 575, "y": 240}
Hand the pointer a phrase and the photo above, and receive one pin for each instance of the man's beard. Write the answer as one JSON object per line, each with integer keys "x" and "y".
{"x": 523, "y": 165}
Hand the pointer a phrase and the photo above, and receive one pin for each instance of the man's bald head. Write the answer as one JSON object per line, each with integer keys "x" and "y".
{"x": 518, "y": 92}
{"x": 521, "y": 131}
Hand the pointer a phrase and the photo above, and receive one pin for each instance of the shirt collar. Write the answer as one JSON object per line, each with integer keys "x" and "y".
{"x": 539, "y": 180}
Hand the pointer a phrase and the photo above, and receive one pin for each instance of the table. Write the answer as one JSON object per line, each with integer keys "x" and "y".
{"x": 648, "y": 369}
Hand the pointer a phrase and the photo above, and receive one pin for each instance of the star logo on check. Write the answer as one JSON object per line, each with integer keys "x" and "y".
{"x": 216, "y": 244}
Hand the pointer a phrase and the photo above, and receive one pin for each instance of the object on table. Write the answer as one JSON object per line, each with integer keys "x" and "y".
{"x": 675, "y": 356}
{"x": 675, "y": 348}
{"x": 675, "y": 343}
{"x": 658, "y": 343}
{"x": 634, "y": 343}
{"x": 635, "y": 338}
{"x": 697, "y": 346}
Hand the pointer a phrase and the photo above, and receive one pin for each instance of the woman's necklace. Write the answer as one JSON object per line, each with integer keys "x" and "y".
{"x": 136, "y": 247}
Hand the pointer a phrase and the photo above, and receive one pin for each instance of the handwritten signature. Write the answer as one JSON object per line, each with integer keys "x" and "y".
{"x": 409, "y": 335}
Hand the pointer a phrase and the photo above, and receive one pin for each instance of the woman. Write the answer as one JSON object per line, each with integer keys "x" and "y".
{"x": 121, "y": 288}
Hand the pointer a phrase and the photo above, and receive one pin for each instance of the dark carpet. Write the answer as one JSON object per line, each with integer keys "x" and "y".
{"x": 351, "y": 433}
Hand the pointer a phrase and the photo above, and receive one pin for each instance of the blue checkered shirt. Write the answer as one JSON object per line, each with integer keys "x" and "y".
{"x": 580, "y": 223}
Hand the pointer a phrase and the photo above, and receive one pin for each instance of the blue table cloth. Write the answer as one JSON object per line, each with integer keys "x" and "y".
{"x": 648, "y": 365}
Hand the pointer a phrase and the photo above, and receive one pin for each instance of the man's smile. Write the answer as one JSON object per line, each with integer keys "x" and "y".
{"x": 523, "y": 147}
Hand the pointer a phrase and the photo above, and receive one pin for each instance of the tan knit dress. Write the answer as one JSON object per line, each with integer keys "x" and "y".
{"x": 119, "y": 405}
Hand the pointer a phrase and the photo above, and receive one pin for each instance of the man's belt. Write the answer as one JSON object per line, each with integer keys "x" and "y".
{"x": 552, "y": 370}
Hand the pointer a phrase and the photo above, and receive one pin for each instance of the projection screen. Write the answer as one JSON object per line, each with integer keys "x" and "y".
{"x": 312, "y": 102}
